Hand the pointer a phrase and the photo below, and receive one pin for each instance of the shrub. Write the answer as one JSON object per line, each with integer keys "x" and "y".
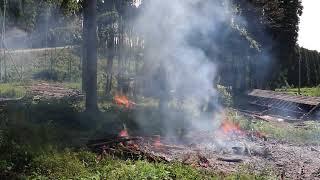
{"x": 56, "y": 165}
{"x": 51, "y": 75}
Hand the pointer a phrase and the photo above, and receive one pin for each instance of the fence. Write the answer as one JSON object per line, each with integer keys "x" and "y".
{"x": 59, "y": 63}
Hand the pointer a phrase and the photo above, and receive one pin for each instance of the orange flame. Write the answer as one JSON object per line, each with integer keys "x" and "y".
{"x": 229, "y": 127}
{"x": 123, "y": 101}
{"x": 124, "y": 133}
{"x": 157, "y": 142}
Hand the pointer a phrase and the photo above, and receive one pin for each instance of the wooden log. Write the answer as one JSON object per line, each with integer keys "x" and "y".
{"x": 233, "y": 160}
{"x": 109, "y": 141}
{"x": 135, "y": 153}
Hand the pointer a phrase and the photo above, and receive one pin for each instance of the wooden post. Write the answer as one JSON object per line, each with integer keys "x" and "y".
{"x": 299, "y": 88}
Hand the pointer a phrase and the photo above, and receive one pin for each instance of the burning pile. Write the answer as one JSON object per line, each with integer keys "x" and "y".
{"x": 229, "y": 128}
{"x": 194, "y": 151}
{"x": 126, "y": 147}
{"x": 52, "y": 91}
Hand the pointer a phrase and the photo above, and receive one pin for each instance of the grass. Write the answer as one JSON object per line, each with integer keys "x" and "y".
{"x": 18, "y": 89}
{"x": 40, "y": 158}
{"x": 11, "y": 90}
{"x": 84, "y": 165}
{"x": 46, "y": 146}
{"x": 70, "y": 164}
{"x": 312, "y": 91}
{"x": 72, "y": 85}
{"x": 288, "y": 132}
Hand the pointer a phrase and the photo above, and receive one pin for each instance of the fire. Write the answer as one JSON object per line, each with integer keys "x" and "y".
{"x": 229, "y": 127}
{"x": 123, "y": 133}
{"x": 122, "y": 100}
{"x": 157, "y": 142}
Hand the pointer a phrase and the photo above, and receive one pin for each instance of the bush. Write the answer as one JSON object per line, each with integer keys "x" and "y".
{"x": 13, "y": 156}
{"x": 64, "y": 165}
{"x": 51, "y": 75}
{"x": 225, "y": 97}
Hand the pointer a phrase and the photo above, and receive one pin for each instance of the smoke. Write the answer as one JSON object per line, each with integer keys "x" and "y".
{"x": 180, "y": 49}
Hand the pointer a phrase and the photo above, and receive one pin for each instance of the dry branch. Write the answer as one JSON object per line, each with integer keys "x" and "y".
{"x": 234, "y": 160}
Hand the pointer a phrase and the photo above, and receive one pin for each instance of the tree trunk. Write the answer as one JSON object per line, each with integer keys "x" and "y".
{"x": 84, "y": 49}
{"x": 90, "y": 46}
{"x": 120, "y": 57}
{"x": 110, "y": 56}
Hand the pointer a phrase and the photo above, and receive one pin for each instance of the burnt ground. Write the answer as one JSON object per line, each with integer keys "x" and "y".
{"x": 248, "y": 153}
{"x": 245, "y": 153}
{"x": 226, "y": 154}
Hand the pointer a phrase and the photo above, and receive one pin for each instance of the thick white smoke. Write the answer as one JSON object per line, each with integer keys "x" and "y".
{"x": 175, "y": 32}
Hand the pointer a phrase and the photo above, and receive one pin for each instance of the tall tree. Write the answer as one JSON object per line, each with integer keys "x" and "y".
{"x": 90, "y": 58}
{"x": 274, "y": 25}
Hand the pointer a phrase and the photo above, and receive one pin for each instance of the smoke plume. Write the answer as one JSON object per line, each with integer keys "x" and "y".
{"x": 179, "y": 49}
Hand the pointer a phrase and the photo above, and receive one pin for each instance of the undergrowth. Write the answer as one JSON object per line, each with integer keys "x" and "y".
{"x": 312, "y": 91}
{"x": 20, "y": 160}
{"x": 51, "y": 145}
{"x": 71, "y": 164}
{"x": 11, "y": 90}
{"x": 308, "y": 133}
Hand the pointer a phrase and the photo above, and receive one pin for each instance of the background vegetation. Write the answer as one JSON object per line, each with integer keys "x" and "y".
{"x": 45, "y": 140}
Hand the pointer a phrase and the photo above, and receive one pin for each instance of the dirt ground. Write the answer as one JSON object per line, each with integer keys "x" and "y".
{"x": 285, "y": 160}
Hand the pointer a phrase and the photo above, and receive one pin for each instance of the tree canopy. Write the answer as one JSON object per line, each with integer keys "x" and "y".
{"x": 269, "y": 28}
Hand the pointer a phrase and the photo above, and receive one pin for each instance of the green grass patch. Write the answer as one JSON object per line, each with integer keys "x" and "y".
{"x": 12, "y": 90}
{"x": 84, "y": 165}
{"x": 18, "y": 89}
{"x": 313, "y": 91}
{"x": 70, "y": 164}
{"x": 72, "y": 85}
{"x": 289, "y": 132}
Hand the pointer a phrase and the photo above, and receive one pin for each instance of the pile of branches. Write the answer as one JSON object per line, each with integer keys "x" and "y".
{"x": 135, "y": 148}
{"x": 52, "y": 91}
{"x": 145, "y": 148}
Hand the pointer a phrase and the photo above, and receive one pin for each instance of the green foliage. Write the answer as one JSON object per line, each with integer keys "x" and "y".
{"x": 72, "y": 85}
{"x": 47, "y": 147}
{"x": 67, "y": 164}
{"x": 51, "y": 75}
{"x": 310, "y": 68}
{"x": 14, "y": 157}
{"x": 11, "y": 90}
{"x": 59, "y": 166}
{"x": 309, "y": 134}
{"x": 274, "y": 25}
{"x": 59, "y": 64}
{"x": 315, "y": 91}
{"x": 20, "y": 13}
{"x": 225, "y": 97}
{"x": 83, "y": 165}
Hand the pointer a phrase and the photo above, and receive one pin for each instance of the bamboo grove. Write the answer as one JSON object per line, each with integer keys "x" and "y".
{"x": 309, "y": 67}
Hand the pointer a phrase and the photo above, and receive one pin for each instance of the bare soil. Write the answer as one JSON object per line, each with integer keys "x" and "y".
{"x": 251, "y": 153}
